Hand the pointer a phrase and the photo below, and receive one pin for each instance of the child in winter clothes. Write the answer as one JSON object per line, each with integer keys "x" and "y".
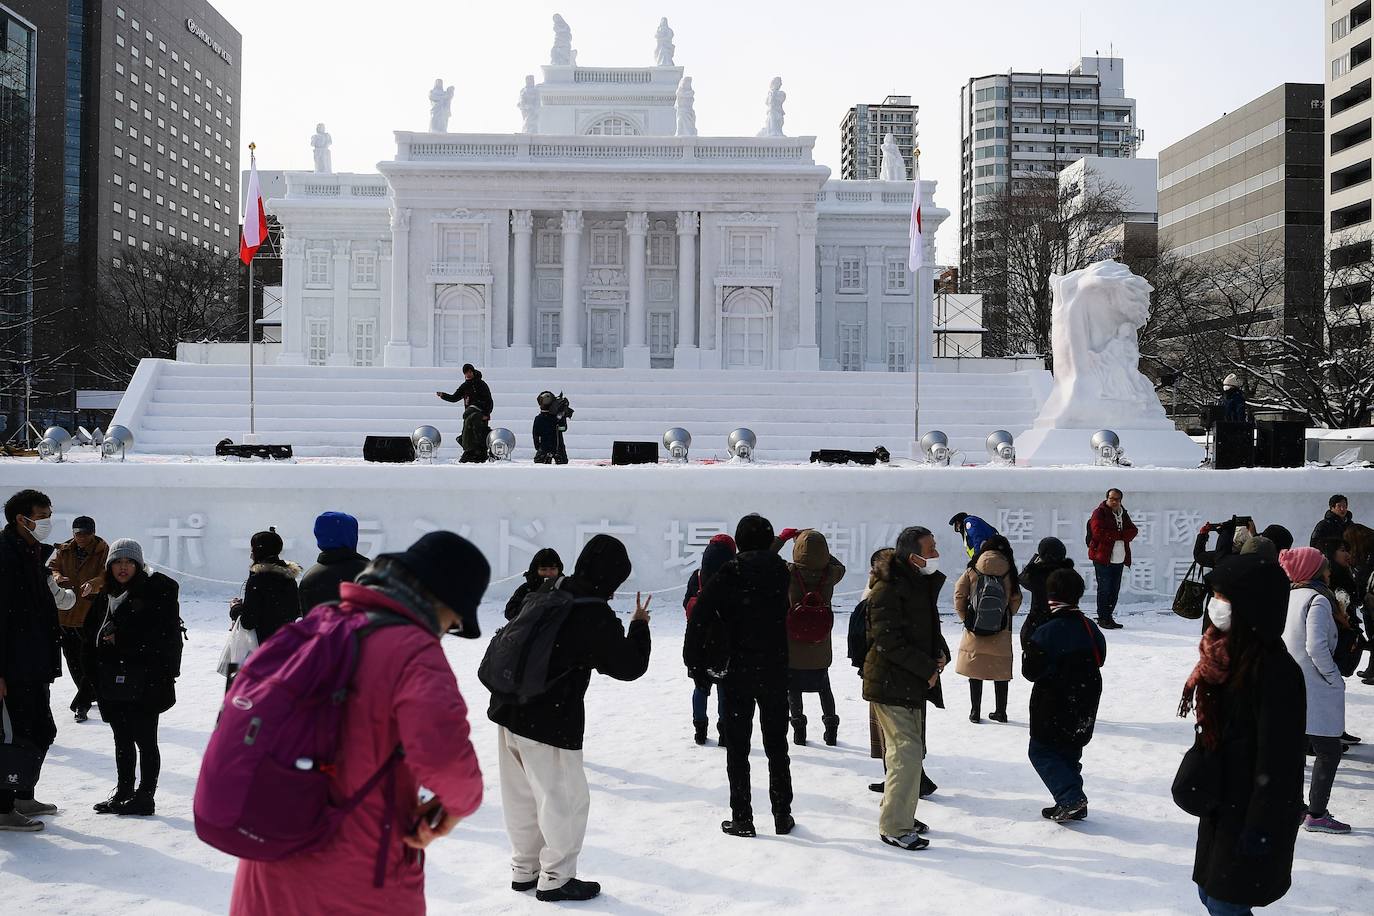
{"x": 1063, "y": 660}
{"x": 1050, "y": 555}
{"x": 719, "y": 551}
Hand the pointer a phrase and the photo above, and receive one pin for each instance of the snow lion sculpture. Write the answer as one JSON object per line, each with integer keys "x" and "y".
{"x": 1097, "y": 381}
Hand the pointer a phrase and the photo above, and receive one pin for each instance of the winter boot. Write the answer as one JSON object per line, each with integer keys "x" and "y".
{"x": 701, "y": 726}
{"x": 783, "y": 824}
{"x": 21, "y": 823}
{"x": 799, "y": 730}
{"x": 572, "y": 889}
{"x": 1063, "y": 813}
{"x": 832, "y": 729}
{"x": 140, "y": 804}
{"x": 32, "y": 808}
{"x": 720, "y": 733}
{"x": 119, "y": 796}
{"x": 927, "y": 786}
{"x": 743, "y": 827}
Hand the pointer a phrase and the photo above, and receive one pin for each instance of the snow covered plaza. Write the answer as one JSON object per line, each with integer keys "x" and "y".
{"x": 664, "y": 279}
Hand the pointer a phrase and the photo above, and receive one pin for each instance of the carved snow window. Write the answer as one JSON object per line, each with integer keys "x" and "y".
{"x": 746, "y": 248}
{"x": 660, "y": 334}
{"x": 896, "y": 275}
{"x": 851, "y": 274}
{"x": 613, "y": 126}
{"x": 463, "y": 245}
{"x": 549, "y": 247}
{"x": 364, "y": 270}
{"x": 851, "y": 347}
{"x": 550, "y": 333}
{"x": 316, "y": 267}
{"x": 898, "y": 351}
{"x": 661, "y": 249}
{"x": 364, "y": 341}
{"x": 317, "y": 341}
{"x": 606, "y": 251}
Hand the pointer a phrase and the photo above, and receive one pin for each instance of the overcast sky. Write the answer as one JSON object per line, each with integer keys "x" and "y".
{"x": 365, "y": 69}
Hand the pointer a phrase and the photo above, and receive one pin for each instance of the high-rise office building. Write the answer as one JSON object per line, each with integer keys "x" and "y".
{"x": 1031, "y": 125}
{"x": 135, "y": 144}
{"x": 1349, "y": 112}
{"x": 862, "y": 132}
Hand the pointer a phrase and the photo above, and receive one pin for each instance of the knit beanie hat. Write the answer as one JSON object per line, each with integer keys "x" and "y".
{"x": 265, "y": 545}
{"x": 1281, "y": 536}
{"x": 453, "y": 570}
{"x": 1231, "y": 381}
{"x": 1302, "y": 564}
{"x": 1261, "y": 545}
{"x": 1051, "y": 549}
{"x": 336, "y": 529}
{"x": 754, "y": 532}
{"x": 126, "y": 549}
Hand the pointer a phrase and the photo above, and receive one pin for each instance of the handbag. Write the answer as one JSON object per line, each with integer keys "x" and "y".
{"x": 1191, "y": 595}
{"x": 120, "y": 685}
{"x": 20, "y": 758}
{"x": 240, "y": 644}
{"x": 1197, "y": 784}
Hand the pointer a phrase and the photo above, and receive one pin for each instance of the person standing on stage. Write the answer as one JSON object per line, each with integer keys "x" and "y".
{"x": 477, "y": 410}
{"x": 549, "y": 426}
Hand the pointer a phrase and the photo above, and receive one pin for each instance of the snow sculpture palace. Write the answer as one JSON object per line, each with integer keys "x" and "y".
{"x": 608, "y": 232}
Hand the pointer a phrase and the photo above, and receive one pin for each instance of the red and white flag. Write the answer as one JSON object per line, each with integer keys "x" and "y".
{"x": 918, "y": 249}
{"x": 254, "y": 216}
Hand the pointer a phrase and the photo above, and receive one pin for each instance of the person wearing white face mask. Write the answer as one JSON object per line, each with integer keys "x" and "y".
{"x": 30, "y": 657}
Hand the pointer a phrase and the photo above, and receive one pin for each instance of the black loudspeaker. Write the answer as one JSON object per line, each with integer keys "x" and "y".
{"x": 846, "y": 456}
{"x": 226, "y": 448}
{"x": 389, "y": 449}
{"x": 1281, "y": 444}
{"x": 1235, "y": 445}
{"x": 634, "y": 453}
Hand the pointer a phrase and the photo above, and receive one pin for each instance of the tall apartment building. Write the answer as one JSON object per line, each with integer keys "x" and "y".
{"x": 1349, "y": 112}
{"x": 1033, "y": 124}
{"x": 135, "y": 143}
{"x": 1250, "y": 184}
{"x": 862, "y": 132}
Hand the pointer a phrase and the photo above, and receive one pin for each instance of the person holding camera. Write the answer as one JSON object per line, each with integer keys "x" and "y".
{"x": 549, "y": 426}
{"x": 1231, "y": 536}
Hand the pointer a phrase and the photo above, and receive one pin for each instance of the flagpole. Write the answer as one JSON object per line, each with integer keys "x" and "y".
{"x": 916, "y": 322}
{"x": 252, "y": 399}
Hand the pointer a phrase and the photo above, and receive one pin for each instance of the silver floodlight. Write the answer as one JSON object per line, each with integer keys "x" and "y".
{"x": 54, "y": 443}
{"x": 501, "y": 444}
{"x": 83, "y": 436}
{"x": 1106, "y": 446}
{"x": 116, "y": 441}
{"x": 1002, "y": 446}
{"x": 742, "y": 443}
{"x": 677, "y": 441}
{"x": 935, "y": 445}
{"x": 427, "y": 440}
{"x": 97, "y": 437}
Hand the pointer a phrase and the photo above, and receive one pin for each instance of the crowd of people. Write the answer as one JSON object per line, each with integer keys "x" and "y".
{"x": 1281, "y": 634}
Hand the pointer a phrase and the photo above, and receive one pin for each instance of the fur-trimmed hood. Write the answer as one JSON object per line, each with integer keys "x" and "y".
{"x": 280, "y": 568}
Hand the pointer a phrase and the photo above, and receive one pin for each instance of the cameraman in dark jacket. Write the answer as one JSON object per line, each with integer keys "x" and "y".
{"x": 549, "y": 426}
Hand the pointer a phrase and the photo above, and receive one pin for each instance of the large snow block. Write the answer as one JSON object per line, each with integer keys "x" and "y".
{"x": 1156, "y": 448}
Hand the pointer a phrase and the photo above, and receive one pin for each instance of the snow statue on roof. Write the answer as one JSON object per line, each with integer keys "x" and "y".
{"x": 562, "y": 53}
{"x": 320, "y": 144}
{"x": 440, "y": 107}
{"x": 894, "y": 165}
{"x": 772, "y": 125}
{"x": 686, "y": 114}
{"x": 663, "y": 53}
{"x": 529, "y": 106}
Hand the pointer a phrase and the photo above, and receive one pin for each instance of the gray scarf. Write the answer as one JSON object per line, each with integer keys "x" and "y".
{"x": 392, "y": 580}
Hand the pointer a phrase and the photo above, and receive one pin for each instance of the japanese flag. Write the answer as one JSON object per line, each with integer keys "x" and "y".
{"x": 254, "y": 216}
{"x": 918, "y": 248}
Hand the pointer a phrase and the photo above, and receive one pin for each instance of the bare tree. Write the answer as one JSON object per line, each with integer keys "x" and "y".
{"x": 158, "y": 298}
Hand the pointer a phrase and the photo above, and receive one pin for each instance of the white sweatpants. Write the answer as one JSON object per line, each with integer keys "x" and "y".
{"x": 545, "y": 798}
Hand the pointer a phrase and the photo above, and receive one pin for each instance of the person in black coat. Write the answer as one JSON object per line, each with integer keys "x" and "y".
{"x": 1252, "y": 716}
{"x": 1233, "y": 400}
{"x": 271, "y": 598}
{"x": 549, "y": 426}
{"x": 1330, "y": 531}
{"x": 138, "y": 656}
{"x": 546, "y": 564}
{"x": 748, "y": 597}
{"x": 1050, "y": 555}
{"x": 1063, "y": 659}
{"x": 30, "y": 644}
{"x": 336, "y": 534}
{"x": 718, "y": 551}
{"x": 478, "y": 405}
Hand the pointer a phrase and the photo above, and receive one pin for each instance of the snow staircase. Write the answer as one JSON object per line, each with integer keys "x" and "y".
{"x": 178, "y": 408}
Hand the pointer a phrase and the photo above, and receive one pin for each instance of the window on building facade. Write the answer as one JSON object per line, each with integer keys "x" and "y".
{"x": 661, "y": 249}
{"x": 898, "y": 354}
{"x": 606, "y": 250}
{"x": 896, "y": 275}
{"x": 364, "y": 269}
{"x": 746, "y": 248}
{"x": 549, "y": 333}
{"x": 613, "y": 126}
{"x": 463, "y": 245}
{"x": 851, "y": 274}
{"x": 851, "y": 347}
{"x": 660, "y": 334}
{"x": 364, "y": 341}
{"x": 317, "y": 341}
{"x": 316, "y": 265}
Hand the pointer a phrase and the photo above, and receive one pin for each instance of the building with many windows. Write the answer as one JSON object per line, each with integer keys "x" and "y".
{"x": 1349, "y": 205}
{"x": 862, "y": 132}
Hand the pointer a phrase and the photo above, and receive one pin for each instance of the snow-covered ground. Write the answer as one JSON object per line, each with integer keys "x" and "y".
{"x": 657, "y": 800}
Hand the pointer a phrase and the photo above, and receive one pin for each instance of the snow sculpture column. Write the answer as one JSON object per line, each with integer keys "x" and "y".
{"x": 397, "y": 351}
{"x": 293, "y": 309}
{"x": 685, "y": 354}
{"x": 808, "y": 356}
{"x": 521, "y": 352}
{"x": 875, "y": 356}
{"x": 636, "y": 353}
{"x": 570, "y": 347}
{"x": 339, "y": 354}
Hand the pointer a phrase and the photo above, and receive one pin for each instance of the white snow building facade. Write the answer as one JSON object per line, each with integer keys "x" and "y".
{"x": 605, "y": 234}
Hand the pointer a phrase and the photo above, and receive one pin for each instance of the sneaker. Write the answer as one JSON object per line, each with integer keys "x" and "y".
{"x": 523, "y": 886}
{"x": 997, "y": 716}
{"x": 572, "y": 889}
{"x": 908, "y": 841}
{"x": 1347, "y": 738}
{"x": 30, "y": 808}
{"x": 20, "y": 823}
{"x": 920, "y": 827}
{"x": 82, "y": 714}
{"x": 877, "y": 787}
{"x": 117, "y": 797}
{"x": 928, "y": 787}
{"x": 1062, "y": 813}
{"x": 140, "y": 804}
{"x": 783, "y": 824}
{"x": 741, "y": 827}
{"x": 1324, "y": 824}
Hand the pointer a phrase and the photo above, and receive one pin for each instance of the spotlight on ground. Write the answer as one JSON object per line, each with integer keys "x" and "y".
{"x": 427, "y": 440}
{"x": 935, "y": 445}
{"x": 742, "y": 443}
{"x": 54, "y": 444}
{"x": 501, "y": 444}
{"x": 118, "y": 440}
{"x": 677, "y": 441}
{"x": 1106, "y": 445}
{"x": 1002, "y": 447}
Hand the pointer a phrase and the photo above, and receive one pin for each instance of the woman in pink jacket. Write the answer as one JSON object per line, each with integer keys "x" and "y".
{"x": 405, "y": 694}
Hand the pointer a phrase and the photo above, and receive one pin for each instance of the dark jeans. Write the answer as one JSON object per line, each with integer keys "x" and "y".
{"x": 29, "y": 706}
{"x": 1324, "y": 765}
{"x": 999, "y": 691}
{"x": 135, "y": 738}
{"x": 1060, "y": 768}
{"x": 700, "y": 694}
{"x": 818, "y": 682}
{"x": 1108, "y": 588}
{"x": 1221, "y": 907}
{"x": 77, "y": 650}
{"x": 740, "y": 700}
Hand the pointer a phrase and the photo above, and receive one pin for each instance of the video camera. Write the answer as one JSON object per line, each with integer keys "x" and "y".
{"x": 557, "y": 405}
{"x": 1237, "y": 521}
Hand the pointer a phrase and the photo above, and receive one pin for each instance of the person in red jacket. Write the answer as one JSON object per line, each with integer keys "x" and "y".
{"x": 1110, "y": 532}
{"x": 404, "y": 692}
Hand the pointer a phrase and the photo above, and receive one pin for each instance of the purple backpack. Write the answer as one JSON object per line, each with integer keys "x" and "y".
{"x": 266, "y": 775}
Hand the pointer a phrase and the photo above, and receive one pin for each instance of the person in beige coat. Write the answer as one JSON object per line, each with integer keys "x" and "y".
{"x": 987, "y": 658}
{"x": 813, "y": 569}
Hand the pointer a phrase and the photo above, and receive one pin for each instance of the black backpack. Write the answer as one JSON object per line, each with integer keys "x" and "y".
{"x": 987, "y": 610}
{"x": 515, "y": 667}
